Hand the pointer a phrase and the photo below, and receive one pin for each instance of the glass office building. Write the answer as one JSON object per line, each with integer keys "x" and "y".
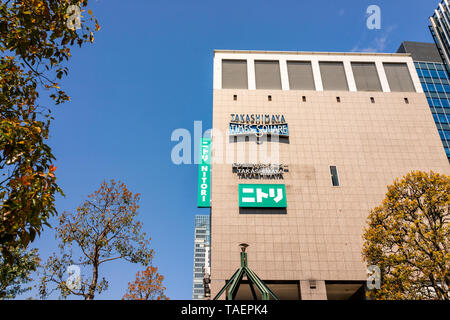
{"x": 201, "y": 254}
{"x": 435, "y": 83}
{"x": 440, "y": 30}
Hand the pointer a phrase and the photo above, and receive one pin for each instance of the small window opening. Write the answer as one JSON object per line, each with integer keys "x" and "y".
{"x": 334, "y": 176}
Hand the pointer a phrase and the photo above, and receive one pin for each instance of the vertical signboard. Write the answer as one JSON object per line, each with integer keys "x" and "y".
{"x": 204, "y": 174}
{"x": 262, "y": 196}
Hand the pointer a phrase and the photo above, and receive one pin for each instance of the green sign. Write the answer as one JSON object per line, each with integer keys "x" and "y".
{"x": 204, "y": 174}
{"x": 262, "y": 195}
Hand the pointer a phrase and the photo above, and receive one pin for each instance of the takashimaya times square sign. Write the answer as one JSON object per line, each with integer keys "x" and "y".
{"x": 258, "y": 124}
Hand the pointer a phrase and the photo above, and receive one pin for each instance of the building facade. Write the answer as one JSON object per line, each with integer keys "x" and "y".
{"x": 303, "y": 146}
{"x": 435, "y": 83}
{"x": 440, "y": 30}
{"x": 202, "y": 238}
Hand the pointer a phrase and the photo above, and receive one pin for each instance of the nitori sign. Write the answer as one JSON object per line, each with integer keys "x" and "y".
{"x": 204, "y": 174}
{"x": 262, "y": 196}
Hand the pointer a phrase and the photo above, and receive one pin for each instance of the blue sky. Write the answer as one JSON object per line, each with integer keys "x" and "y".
{"x": 149, "y": 72}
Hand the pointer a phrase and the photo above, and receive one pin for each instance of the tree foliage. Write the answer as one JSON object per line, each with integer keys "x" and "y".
{"x": 147, "y": 286}
{"x": 103, "y": 229}
{"x": 408, "y": 238}
{"x": 14, "y": 276}
{"x": 35, "y": 44}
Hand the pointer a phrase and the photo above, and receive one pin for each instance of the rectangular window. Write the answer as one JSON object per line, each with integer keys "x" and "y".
{"x": 426, "y": 73}
{"x": 442, "y": 74}
{"x": 267, "y": 75}
{"x": 334, "y": 176}
{"x": 234, "y": 74}
{"x": 333, "y": 76}
{"x": 434, "y": 74}
{"x": 300, "y": 75}
{"x": 366, "y": 76}
{"x": 398, "y": 77}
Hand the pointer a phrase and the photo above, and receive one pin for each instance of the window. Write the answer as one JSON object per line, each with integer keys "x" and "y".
{"x": 426, "y": 73}
{"x": 372, "y": 99}
{"x": 300, "y": 75}
{"x": 398, "y": 77}
{"x": 434, "y": 74}
{"x": 234, "y": 74}
{"x": 269, "y": 98}
{"x": 406, "y": 101}
{"x": 435, "y": 103}
{"x": 235, "y": 97}
{"x": 267, "y": 75}
{"x": 366, "y": 76}
{"x": 338, "y": 99}
{"x": 440, "y": 117}
{"x": 431, "y": 87}
{"x": 304, "y": 98}
{"x": 333, "y": 76}
{"x": 334, "y": 176}
{"x": 422, "y": 65}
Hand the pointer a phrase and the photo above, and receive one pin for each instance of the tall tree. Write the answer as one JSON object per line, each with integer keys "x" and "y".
{"x": 13, "y": 276}
{"x": 147, "y": 286}
{"x": 103, "y": 229}
{"x": 408, "y": 238}
{"x": 36, "y": 37}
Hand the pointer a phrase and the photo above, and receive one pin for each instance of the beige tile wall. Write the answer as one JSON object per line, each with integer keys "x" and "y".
{"x": 320, "y": 236}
